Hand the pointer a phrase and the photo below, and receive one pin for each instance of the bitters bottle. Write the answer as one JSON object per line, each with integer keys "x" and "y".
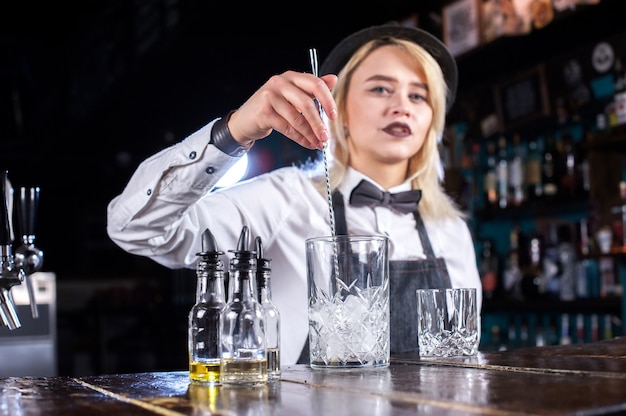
{"x": 272, "y": 316}
{"x": 205, "y": 315}
{"x": 243, "y": 360}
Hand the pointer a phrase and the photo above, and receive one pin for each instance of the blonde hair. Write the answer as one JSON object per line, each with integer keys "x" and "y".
{"x": 425, "y": 166}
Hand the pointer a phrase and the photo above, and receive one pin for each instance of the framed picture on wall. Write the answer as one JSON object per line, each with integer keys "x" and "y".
{"x": 522, "y": 98}
{"x": 461, "y": 26}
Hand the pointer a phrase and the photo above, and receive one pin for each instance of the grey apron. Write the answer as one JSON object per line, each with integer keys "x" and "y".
{"x": 405, "y": 277}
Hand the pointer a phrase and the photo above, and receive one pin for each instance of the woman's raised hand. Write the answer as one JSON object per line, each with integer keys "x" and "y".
{"x": 285, "y": 103}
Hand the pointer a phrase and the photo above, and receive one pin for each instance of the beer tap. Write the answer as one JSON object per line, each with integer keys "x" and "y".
{"x": 28, "y": 257}
{"x": 10, "y": 275}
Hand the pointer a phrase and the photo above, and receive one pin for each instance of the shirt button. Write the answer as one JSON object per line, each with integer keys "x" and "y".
{"x": 210, "y": 170}
{"x": 149, "y": 192}
{"x": 192, "y": 155}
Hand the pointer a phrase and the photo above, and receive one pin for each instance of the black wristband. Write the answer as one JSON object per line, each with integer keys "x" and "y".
{"x": 224, "y": 140}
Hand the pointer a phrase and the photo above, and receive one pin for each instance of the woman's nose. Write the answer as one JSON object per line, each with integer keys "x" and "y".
{"x": 400, "y": 105}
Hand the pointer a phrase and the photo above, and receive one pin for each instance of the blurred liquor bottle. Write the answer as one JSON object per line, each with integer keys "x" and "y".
{"x": 549, "y": 170}
{"x": 619, "y": 96}
{"x": 502, "y": 173}
{"x": 532, "y": 170}
{"x": 516, "y": 172}
{"x": 569, "y": 180}
{"x": 532, "y": 271}
{"x": 567, "y": 260}
{"x": 512, "y": 274}
{"x": 489, "y": 178}
{"x": 488, "y": 268}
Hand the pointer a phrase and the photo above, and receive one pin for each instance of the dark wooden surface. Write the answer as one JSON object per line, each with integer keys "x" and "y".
{"x": 584, "y": 379}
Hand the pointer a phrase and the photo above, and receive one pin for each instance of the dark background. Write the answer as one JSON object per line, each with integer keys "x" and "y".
{"x": 88, "y": 89}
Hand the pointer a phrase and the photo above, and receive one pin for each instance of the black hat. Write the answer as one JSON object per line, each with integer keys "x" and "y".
{"x": 342, "y": 52}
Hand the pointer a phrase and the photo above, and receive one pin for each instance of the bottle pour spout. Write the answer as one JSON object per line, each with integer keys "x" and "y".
{"x": 263, "y": 264}
{"x": 209, "y": 245}
{"x": 210, "y": 254}
{"x": 244, "y": 239}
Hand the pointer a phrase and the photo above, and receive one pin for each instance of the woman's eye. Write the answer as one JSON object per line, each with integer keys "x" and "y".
{"x": 380, "y": 90}
{"x": 418, "y": 97}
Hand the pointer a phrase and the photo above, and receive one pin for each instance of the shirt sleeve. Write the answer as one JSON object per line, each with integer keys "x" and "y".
{"x": 162, "y": 190}
{"x": 170, "y": 200}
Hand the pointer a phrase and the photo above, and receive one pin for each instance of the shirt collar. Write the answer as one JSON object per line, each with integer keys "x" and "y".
{"x": 353, "y": 177}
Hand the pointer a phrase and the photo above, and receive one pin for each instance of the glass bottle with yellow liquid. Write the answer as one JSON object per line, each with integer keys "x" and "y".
{"x": 242, "y": 328}
{"x": 205, "y": 315}
{"x": 272, "y": 316}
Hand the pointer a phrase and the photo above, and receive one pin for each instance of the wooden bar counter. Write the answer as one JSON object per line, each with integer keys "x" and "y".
{"x": 582, "y": 379}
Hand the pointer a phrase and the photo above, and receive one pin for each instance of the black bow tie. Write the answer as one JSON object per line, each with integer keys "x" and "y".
{"x": 367, "y": 194}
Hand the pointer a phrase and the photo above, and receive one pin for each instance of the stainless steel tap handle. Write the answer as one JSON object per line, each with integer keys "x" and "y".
{"x": 34, "y": 309}
{"x": 9, "y": 277}
{"x": 7, "y": 310}
{"x": 9, "y": 274}
{"x": 27, "y": 256}
{"x": 30, "y": 258}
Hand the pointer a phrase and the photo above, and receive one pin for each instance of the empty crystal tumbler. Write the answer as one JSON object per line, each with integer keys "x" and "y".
{"x": 447, "y": 322}
{"x": 348, "y": 284}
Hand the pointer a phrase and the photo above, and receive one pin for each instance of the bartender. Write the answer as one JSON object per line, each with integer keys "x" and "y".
{"x": 385, "y": 91}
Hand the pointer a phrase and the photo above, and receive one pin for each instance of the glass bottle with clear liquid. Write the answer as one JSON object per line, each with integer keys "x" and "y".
{"x": 205, "y": 315}
{"x": 272, "y": 316}
{"x": 242, "y": 328}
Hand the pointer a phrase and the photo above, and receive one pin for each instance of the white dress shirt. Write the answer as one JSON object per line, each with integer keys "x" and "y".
{"x": 168, "y": 203}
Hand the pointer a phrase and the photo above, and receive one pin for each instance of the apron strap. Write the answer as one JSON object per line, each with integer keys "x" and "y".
{"x": 421, "y": 230}
{"x": 341, "y": 228}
